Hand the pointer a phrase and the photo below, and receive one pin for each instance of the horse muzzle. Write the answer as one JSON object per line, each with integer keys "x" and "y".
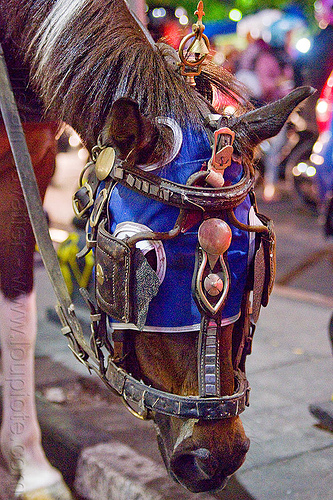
{"x": 198, "y": 470}
{"x": 202, "y": 469}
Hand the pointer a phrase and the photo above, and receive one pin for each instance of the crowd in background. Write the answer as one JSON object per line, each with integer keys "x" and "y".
{"x": 270, "y": 67}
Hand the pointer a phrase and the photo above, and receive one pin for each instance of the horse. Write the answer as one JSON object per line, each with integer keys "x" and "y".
{"x": 95, "y": 67}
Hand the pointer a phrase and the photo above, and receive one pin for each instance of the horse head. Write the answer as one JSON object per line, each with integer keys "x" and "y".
{"x": 200, "y": 453}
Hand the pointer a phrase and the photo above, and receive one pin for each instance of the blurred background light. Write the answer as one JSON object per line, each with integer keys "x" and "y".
{"x": 183, "y": 20}
{"x": 159, "y": 12}
{"x": 235, "y": 15}
{"x": 179, "y": 12}
{"x": 303, "y": 45}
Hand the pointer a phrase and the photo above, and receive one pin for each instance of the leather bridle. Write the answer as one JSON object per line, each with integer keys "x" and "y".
{"x": 202, "y": 199}
{"x": 188, "y": 198}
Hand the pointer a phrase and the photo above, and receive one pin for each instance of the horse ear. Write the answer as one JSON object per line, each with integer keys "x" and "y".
{"x": 128, "y": 130}
{"x": 265, "y": 122}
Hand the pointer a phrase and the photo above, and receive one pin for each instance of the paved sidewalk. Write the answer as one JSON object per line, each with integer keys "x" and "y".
{"x": 291, "y": 367}
{"x": 290, "y": 455}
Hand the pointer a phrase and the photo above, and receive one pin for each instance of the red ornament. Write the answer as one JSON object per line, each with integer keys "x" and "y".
{"x": 214, "y": 236}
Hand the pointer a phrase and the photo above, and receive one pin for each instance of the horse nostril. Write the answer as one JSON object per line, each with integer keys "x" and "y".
{"x": 197, "y": 470}
{"x": 205, "y": 461}
{"x": 197, "y": 463}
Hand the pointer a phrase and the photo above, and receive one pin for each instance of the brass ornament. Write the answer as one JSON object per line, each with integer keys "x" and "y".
{"x": 212, "y": 280}
{"x": 214, "y": 236}
{"x": 213, "y": 284}
{"x": 99, "y": 274}
{"x": 192, "y": 57}
{"x": 104, "y": 163}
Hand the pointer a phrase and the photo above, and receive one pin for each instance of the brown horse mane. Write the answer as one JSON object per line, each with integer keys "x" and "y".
{"x": 100, "y": 55}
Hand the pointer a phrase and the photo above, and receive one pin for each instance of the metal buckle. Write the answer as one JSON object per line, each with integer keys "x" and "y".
{"x": 91, "y": 239}
{"x": 98, "y": 207}
{"x": 78, "y": 210}
{"x": 141, "y": 413}
{"x": 223, "y": 149}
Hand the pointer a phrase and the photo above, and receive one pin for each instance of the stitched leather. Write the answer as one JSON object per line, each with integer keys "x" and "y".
{"x": 125, "y": 282}
{"x": 264, "y": 268}
{"x": 113, "y": 289}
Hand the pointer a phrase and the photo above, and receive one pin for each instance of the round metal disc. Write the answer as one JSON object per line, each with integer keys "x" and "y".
{"x": 104, "y": 163}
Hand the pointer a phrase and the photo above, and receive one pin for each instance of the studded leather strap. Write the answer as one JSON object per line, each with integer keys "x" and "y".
{"x": 153, "y": 400}
{"x": 180, "y": 195}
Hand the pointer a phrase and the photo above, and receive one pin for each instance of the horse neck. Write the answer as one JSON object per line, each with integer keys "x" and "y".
{"x": 85, "y": 54}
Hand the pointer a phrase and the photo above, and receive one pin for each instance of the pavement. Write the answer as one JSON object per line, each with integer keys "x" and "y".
{"x": 105, "y": 453}
{"x": 89, "y": 435}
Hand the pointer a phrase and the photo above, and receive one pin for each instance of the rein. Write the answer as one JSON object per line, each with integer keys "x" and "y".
{"x": 71, "y": 327}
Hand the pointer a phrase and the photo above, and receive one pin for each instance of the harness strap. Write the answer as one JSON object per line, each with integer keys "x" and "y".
{"x": 182, "y": 196}
{"x": 149, "y": 400}
{"x": 71, "y": 327}
{"x": 209, "y": 357}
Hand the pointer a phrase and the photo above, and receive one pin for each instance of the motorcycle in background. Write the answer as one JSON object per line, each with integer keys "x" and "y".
{"x": 313, "y": 175}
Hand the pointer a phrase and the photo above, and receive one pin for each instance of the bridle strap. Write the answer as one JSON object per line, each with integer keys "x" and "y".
{"x": 71, "y": 326}
{"x": 180, "y": 195}
{"x": 149, "y": 400}
{"x": 209, "y": 404}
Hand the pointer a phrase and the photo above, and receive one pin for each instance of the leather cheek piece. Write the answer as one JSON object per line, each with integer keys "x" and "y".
{"x": 125, "y": 282}
{"x": 263, "y": 269}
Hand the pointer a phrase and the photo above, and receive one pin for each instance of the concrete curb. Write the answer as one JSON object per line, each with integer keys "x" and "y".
{"x": 113, "y": 471}
{"x": 103, "y": 452}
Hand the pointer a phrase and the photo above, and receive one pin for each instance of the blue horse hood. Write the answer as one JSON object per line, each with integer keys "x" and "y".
{"x": 173, "y": 308}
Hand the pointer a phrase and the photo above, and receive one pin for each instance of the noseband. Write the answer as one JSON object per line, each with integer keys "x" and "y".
{"x": 115, "y": 259}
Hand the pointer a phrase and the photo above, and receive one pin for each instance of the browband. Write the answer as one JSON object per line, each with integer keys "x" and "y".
{"x": 181, "y": 195}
